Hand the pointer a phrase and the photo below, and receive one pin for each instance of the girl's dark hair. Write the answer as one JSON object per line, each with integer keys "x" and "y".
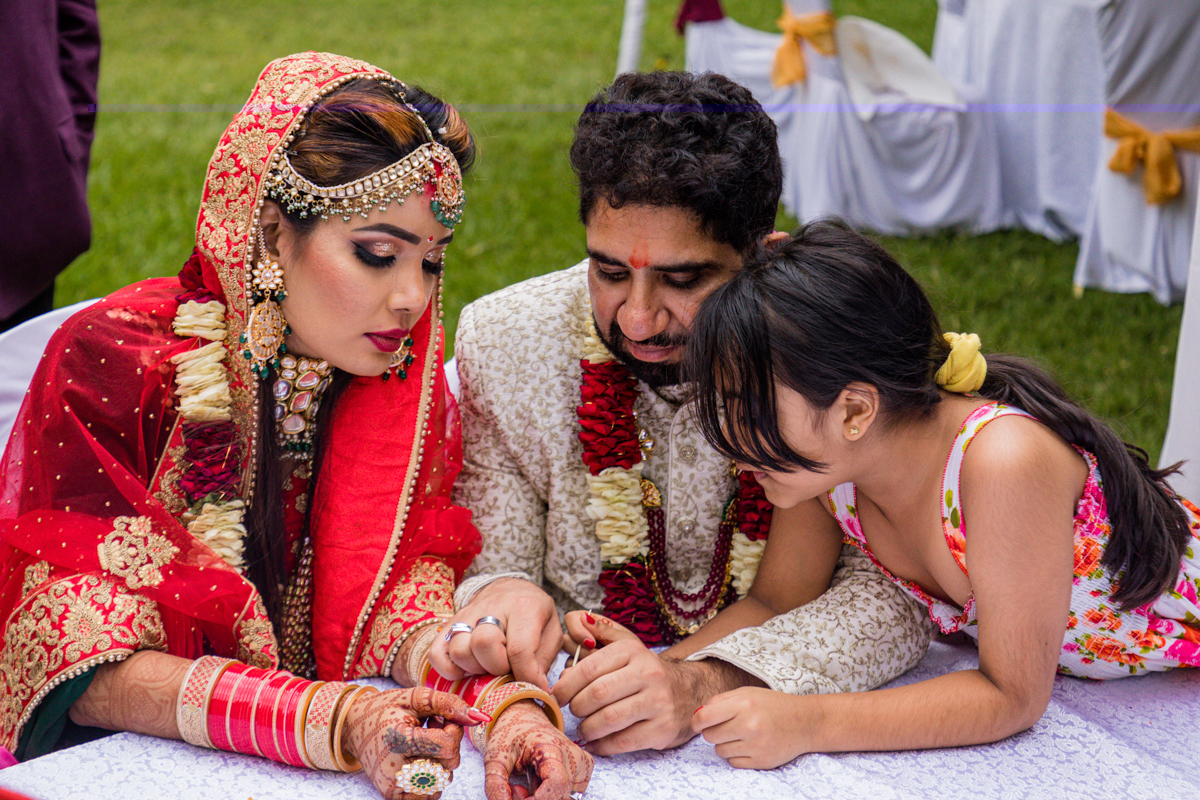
{"x": 831, "y": 307}
{"x": 355, "y": 130}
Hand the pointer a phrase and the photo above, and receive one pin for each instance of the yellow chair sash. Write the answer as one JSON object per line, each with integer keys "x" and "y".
{"x": 1161, "y": 179}
{"x": 817, "y": 28}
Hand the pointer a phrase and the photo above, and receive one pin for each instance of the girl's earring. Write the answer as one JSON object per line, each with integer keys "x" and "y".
{"x": 854, "y": 430}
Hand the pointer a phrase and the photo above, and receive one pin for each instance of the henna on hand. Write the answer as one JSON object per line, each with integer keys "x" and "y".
{"x": 384, "y": 731}
{"x": 523, "y": 737}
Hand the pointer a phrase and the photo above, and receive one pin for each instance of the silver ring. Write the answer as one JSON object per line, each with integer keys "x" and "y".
{"x": 489, "y": 620}
{"x": 458, "y": 627}
{"x": 423, "y": 777}
{"x": 576, "y": 795}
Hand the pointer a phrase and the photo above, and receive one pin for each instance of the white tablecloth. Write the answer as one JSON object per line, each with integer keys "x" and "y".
{"x": 1127, "y": 739}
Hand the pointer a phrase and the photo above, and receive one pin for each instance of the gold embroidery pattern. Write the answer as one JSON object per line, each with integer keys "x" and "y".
{"x": 134, "y": 552}
{"x": 256, "y": 637}
{"x": 426, "y": 591}
{"x": 62, "y": 631}
{"x": 169, "y": 493}
{"x": 35, "y": 576}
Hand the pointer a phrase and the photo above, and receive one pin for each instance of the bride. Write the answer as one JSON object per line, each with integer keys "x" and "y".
{"x": 226, "y": 495}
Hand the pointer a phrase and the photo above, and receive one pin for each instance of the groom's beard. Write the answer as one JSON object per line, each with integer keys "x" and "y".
{"x": 653, "y": 374}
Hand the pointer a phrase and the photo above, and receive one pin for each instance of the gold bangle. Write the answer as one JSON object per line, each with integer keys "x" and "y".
{"x": 418, "y": 657}
{"x": 504, "y": 696}
{"x": 191, "y": 706}
{"x": 344, "y": 762}
{"x": 416, "y": 630}
{"x": 301, "y": 718}
{"x": 318, "y": 719}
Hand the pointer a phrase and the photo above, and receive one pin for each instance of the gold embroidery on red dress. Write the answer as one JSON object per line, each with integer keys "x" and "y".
{"x": 134, "y": 552}
{"x": 63, "y": 630}
{"x": 426, "y": 592}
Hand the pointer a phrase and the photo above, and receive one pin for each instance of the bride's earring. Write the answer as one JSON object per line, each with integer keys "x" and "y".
{"x": 266, "y": 327}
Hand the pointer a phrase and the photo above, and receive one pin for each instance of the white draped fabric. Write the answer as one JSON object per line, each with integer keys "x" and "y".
{"x": 20, "y": 350}
{"x": 893, "y": 156}
{"x": 1133, "y": 739}
{"x": 1035, "y": 67}
{"x": 1183, "y": 430}
{"x": 1151, "y": 53}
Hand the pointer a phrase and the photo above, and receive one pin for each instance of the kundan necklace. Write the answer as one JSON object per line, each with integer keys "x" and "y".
{"x": 297, "y": 392}
{"x": 630, "y": 523}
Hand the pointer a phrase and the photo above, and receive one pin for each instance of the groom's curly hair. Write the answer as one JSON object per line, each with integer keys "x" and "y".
{"x": 673, "y": 139}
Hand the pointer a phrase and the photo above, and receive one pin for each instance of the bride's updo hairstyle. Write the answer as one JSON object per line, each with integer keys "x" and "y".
{"x": 830, "y": 307}
{"x": 355, "y": 130}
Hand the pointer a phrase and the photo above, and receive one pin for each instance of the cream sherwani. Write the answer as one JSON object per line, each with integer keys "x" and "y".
{"x": 518, "y": 354}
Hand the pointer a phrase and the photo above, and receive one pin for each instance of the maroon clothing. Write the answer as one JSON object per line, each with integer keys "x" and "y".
{"x": 49, "y": 67}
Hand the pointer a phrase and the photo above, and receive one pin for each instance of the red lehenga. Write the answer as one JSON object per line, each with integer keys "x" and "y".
{"x": 96, "y": 563}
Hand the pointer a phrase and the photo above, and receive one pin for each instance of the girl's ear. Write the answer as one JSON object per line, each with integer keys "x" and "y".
{"x": 859, "y": 403}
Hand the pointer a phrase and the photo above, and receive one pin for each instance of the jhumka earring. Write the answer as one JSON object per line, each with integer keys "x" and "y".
{"x": 402, "y": 359}
{"x": 266, "y": 327}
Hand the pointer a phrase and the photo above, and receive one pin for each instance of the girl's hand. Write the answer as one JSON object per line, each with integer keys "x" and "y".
{"x": 384, "y": 732}
{"x": 754, "y": 728}
{"x": 524, "y": 739}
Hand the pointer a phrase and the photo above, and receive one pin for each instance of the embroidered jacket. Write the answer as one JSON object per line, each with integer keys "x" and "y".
{"x": 518, "y": 354}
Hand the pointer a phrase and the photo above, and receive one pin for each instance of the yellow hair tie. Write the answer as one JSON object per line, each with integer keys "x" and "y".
{"x": 965, "y": 367}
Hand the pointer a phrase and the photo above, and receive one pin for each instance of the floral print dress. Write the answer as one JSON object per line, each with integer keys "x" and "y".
{"x": 1101, "y": 640}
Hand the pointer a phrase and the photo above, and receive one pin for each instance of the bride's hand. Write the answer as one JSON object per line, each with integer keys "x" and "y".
{"x": 383, "y": 731}
{"x": 523, "y": 738}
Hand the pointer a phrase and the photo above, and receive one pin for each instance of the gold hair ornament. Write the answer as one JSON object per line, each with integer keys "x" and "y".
{"x": 965, "y": 368}
{"x": 430, "y": 164}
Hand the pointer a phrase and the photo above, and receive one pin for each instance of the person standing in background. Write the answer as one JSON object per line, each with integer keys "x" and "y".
{"x": 49, "y": 70}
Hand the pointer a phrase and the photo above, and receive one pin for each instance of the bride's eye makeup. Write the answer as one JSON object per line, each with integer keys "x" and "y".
{"x": 374, "y": 259}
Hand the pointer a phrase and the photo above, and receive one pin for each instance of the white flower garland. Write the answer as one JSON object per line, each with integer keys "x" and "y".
{"x": 202, "y": 384}
{"x": 615, "y": 501}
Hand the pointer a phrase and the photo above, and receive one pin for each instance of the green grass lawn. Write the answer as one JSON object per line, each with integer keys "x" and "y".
{"x": 172, "y": 74}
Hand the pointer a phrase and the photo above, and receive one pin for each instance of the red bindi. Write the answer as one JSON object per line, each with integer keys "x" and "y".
{"x": 639, "y": 258}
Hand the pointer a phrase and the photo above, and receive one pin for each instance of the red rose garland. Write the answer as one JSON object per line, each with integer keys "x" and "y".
{"x": 630, "y": 522}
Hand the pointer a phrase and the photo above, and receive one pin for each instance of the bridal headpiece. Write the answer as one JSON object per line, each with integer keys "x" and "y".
{"x": 432, "y": 164}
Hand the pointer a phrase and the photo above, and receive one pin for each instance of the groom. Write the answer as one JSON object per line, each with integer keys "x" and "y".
{"x": 679, "y": 176}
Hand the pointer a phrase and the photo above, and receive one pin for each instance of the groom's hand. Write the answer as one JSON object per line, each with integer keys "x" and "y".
{"x": 524, "y": 643}
{"x": 630, "y": 698}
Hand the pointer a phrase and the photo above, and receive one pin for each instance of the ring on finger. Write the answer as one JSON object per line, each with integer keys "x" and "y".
{"x": 458, "y": 627}
{"x": 576, "y": 795}
{"x": 490, "y": 620}
{"x": 423, "y": 776}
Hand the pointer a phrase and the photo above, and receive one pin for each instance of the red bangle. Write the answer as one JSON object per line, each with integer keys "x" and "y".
{"x": 218, "y": 703}
{"x": 298, "y": 723}
{"x": 477, "y": 687}
{"x": 285, "y": 723}
{"x": 266, "y": 706}
{"x": 239, "y": 715}
{"x": 439, "y": 684}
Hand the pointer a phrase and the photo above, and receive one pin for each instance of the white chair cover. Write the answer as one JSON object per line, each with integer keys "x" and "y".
{"x": 629, "y": 51}
{"x": 1035, "y": 66}
{"x": 1151, "y": 53}
{"x": 912, "y": 158}
{"x": 20, "y": 350}
{"x": 1183, "y": 429}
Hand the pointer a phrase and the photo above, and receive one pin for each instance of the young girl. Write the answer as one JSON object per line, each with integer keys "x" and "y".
{"x": 1013, "y": 514}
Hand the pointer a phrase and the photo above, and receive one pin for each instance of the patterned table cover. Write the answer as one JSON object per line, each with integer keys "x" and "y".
{"x": 1127, "y": 739}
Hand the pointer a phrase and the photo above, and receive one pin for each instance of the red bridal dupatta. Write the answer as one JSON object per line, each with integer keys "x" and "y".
{"x": 104, "y": 473}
